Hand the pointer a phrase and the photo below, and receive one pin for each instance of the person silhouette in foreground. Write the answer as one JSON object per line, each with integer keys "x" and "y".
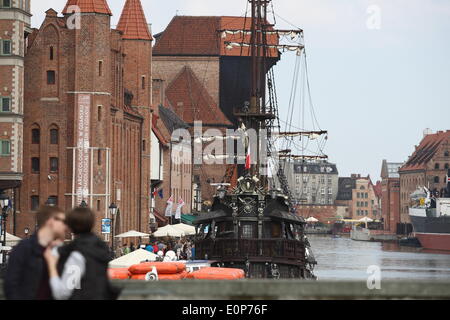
{"x": 78, "y": 271}
{"x": 26, "y": 275}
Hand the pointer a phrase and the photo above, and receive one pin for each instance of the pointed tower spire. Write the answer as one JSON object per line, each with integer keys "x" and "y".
{"x": 88, "y": 6}
{"x": 133, "y": 23}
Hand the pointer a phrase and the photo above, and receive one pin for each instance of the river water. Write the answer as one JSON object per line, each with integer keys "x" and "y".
{"x": 344, "y": 259}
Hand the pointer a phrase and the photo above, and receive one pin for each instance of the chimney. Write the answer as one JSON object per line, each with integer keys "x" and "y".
{"x": 427, "y": 131}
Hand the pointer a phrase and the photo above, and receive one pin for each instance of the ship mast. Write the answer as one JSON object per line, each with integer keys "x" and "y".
{"x": 258, "y": 115}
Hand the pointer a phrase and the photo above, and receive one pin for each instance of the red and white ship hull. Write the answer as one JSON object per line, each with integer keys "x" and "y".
{"x": 435, "y": 241}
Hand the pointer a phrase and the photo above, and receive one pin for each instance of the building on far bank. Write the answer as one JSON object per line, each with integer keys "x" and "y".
{"x": 426, "y": 167}
{"x": 361, "y": 197}
{"x": 312, "y": 183}
{"x": 390, "y": 199}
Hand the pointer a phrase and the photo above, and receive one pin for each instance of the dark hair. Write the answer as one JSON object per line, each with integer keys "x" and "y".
{"x": 45, "y": 213}
{"x": 80, "y": 220}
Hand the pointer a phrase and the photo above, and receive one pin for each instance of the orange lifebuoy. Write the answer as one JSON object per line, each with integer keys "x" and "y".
{"x": 176, "y": 276}
{"x": 211, "y": 273}
{"x": 161, "y": 268}
{"x": 137, "y": 277}
{"x": 118, "y": 273}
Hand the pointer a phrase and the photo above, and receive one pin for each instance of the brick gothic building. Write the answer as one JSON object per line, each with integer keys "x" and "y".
{"x": 87, "y": 113}
{"x": 427, "y": 166}
{"x": 390, "y": 199}
{"x": 14, "y": 30}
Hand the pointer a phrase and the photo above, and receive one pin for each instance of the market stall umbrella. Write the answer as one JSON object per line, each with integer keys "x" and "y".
{"x": 11, "y": 240}
{"x": 133, "y": 234}
{"x": 187, "y": 229}
{"x": 135, "y": 257}
{"x": 168, "y": 231}
{"x": 365, "y": 220}
{"x": 311, "y": 219}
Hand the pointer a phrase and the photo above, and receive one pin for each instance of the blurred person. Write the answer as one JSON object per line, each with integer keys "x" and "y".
{"x": 27, "y": 275}
{"x": 126, "y": 249}
{"x": 79, "y": 272}
{"x": 132, "y": 248}
{"x": 155, "y": 247}
{"x": 149, "y": 248}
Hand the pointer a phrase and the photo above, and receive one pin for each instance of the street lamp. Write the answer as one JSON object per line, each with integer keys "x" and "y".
{"x": 26, "y": 231}
{"x": 112, "y": 211}
{"x": 4, "y": 204}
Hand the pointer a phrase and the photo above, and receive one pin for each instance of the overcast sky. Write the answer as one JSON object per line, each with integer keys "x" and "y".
{"x": 379, "y": 69}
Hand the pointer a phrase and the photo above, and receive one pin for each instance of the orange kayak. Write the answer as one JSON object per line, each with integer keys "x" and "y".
{"x": 118, "y": 273}
{"x": 217, "y": 274}
{"x": 161, "y": 267}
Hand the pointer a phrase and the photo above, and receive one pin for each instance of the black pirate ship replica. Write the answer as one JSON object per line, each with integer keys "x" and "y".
{"x": 254, "y": 226}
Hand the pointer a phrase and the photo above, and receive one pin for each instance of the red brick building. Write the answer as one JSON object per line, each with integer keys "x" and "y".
{"x": 87, "y": 123}
{"x": 14, "y": 30}
{"x": 390, "y": 198}
{"x": 426, "y": 167}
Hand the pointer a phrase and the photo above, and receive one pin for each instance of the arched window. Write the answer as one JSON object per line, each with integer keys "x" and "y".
{"x": 446, "y": 166}
{"x": 436, "y": 166}
{"x": 436, "y": 179}
{"x": 54, "y": 137}
{"x": 35, "y": 136}
{"x": 446, "y": 154}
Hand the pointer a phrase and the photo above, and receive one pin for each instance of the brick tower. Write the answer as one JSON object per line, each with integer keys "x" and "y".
{"x": 137, "y": 80}
{"x": 14, "y": 29}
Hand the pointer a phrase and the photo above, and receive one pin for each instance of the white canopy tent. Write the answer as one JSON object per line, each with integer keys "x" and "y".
{"x": 11, "y": 240}
{"x": 311, "y": 219}
{"x": 168, "y": 231}
{"x": 133, "y": 234}
{"x": 187, "y": 229}
{"x": 135, "y": 257}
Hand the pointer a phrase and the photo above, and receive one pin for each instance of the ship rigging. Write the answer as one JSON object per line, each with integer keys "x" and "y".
{"x": 253, "y": 224}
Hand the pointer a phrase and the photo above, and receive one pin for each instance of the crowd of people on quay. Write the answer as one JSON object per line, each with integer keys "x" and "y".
{"x": 181, "y": 249}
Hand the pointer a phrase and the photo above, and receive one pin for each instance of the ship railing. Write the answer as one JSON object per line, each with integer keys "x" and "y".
{"x": 242, "y": 248}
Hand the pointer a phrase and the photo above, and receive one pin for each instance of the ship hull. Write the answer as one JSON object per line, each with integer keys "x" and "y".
{"x": 434, "y": 241}
{"x": 432, "y": 232}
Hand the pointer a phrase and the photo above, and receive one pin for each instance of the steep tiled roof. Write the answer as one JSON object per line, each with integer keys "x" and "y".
{"x": 133, "y": 23}
{"x": 171, "y": 120}
{"x": 377, "y": 189}
{"x": 190, "y": 100}
{"x": 197, "y": 35}
{"x": 426, "y": 151}
{"x": 88, "y": 6}
{"x": 345, "y": 187}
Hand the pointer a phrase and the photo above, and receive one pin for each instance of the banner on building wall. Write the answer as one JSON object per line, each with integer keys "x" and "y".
{"x": 106, "y": 226}
{"x": 82, "y": 140}
{"x": 169, "y": 207}
{"x": 178, "y": 210}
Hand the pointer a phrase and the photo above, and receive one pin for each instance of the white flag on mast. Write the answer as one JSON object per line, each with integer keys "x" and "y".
{"x": 169, "y": 207}
{"x": 178, "y": 211}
